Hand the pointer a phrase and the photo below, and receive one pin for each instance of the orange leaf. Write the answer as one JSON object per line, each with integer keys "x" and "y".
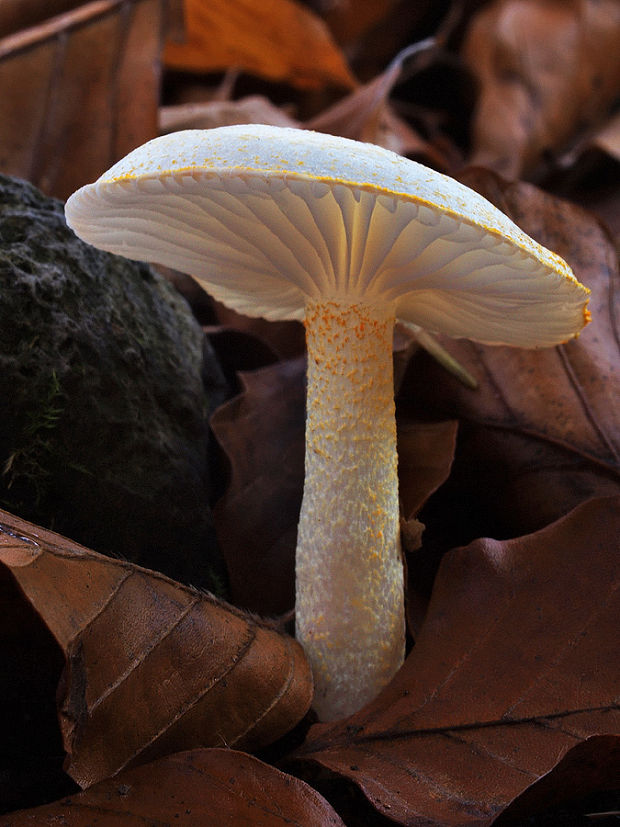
{"x": 152, "y": 667}
{"x": 277, "y": 39}
{"x": 201, "y": 787}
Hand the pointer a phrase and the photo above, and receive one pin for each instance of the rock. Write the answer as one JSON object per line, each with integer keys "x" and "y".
{"x": 103, "y": 410}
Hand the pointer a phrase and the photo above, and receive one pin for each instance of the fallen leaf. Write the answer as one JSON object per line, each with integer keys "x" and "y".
{"x": 540, "y": 435}
{"x": 262, "y": 433}
{"x": 589, "y": 172}
{"x": 21, "y": 14}
{"x": 372, "y": 31}
{"x": 590, "y": 765}
{"x": 211, "y": 114}
{"x": 365, "y": 113}
{"x": 512, "y": 669}
{"x": 545, "y": 76}
{"x": 425, "y": 455}
{"x": 199, "y": 787}
{"x": 153, "y": 667}
{"x": 79, "y": 90}
{"x": 425, "y": 452}
{"x": 277, "y": 39}
{"x": 588, "y": 365}
{"x": 608, "y": 138}
{"x": 351, "y": 21}
{"x": 286, "y": 338}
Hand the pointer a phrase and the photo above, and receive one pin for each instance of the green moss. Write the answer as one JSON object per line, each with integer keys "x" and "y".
{"x": 103, "y": 424}
{"x": 33, "y": 457}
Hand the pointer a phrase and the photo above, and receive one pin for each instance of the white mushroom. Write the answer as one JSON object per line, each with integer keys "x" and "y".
{"x": 289, "y": 224}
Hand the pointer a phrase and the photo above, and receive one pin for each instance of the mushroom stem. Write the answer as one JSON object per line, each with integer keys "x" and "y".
{"x": 349, "y": 572}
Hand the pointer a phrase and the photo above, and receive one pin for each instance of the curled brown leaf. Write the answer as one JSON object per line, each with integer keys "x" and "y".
{"x": 79, "y": 88}
{"x": 262, "y": 433}
{"x": 510, "y": 672}
{"x": 153, "y": 667}
{"x": 365, "y": 113}
{"x": 200, "y": 787}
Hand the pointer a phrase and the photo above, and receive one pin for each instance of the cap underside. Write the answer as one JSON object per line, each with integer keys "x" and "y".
{"x": 265, "y": 243}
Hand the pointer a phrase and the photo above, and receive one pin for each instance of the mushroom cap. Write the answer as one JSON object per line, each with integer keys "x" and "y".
{"x": 269, "y": 217}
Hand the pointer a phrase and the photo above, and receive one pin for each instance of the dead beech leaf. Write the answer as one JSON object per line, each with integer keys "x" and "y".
{"x": 545, "y": 76}
{"x": 605, "y": 140}
{"x": 540, "y": 435}
{"x": 79, "y": 90}
{"x": 365, "y": 114}
{"x": 351, "y": 21}
{"x": 153, "y": 667}
{"x": 251, "y": 109}
{"x": 425, "y": 453}
{"x": 262, "y": 433}
{"x": 588, "y": 174}
{"x": 198, "y": 787}
{"x": 21, "y": 14}
{"x": 277, "y": 39}
{"x": 608, "y": 138}
{"x": 513, "y": 668}
{"x": 287, "y": 339}
{"x": 590, "y": 765}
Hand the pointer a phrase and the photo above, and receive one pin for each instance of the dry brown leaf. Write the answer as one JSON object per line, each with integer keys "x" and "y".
{"x": 540, "y": 434}
{"x": 373, "y": 31}
{"x": 425, "y": 452}
{"x": 252, "y": 109}
{"x": 201, "y": 787}
{"x": 513, "y": 668}
{"x": 350, "y": 22}
{"x": 588, "y": 174}
{"x": 19, "y": 14}
{"x": 262, "y": 433}
{"x": 365, "y": 114}
{"x": 286, "y": 338}
{"x": 587, "y": 416}
{"x": 152, "y": 667}
{"x": 79, "y": 91}
{"x": 608, "y": 138}
{"x": 590, "y": 765}
{"x": 545, "y": 76}
{"x": 277, "y": 39}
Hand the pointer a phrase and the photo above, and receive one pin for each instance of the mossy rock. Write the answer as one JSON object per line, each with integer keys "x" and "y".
{"x": 104, "y": 407}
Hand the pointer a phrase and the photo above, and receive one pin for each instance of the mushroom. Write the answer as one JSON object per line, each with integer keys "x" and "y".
{"x": 348, "y": 237}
